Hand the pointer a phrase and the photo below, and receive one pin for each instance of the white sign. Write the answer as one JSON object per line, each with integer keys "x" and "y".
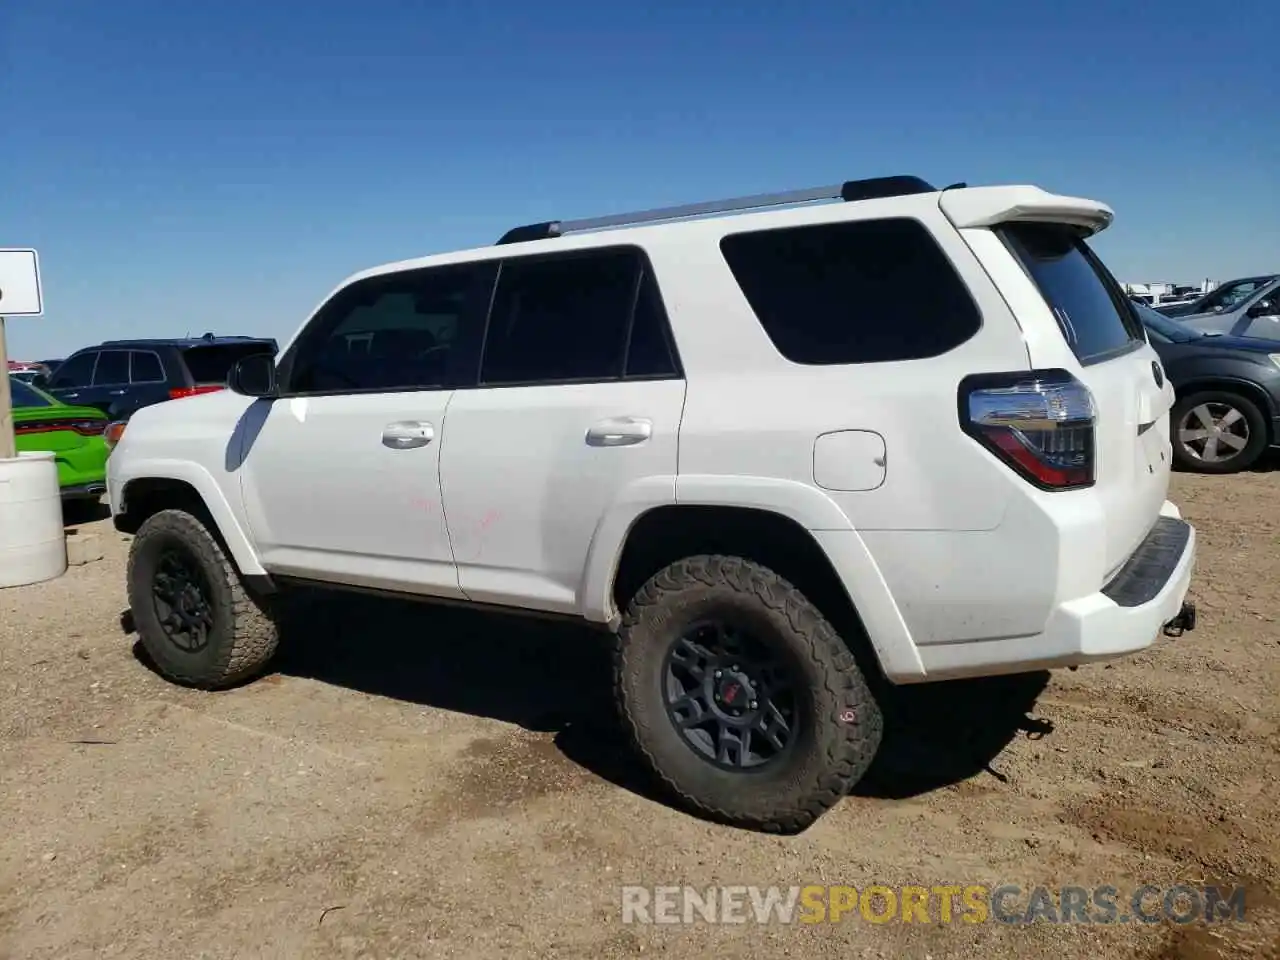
{"x": 20, "y": 284}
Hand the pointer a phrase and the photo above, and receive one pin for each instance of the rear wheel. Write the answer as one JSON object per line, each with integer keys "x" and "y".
{"x": 195, "y": 618}
{"x": 740, "y": 695}
{"x": 1217, "y": 432}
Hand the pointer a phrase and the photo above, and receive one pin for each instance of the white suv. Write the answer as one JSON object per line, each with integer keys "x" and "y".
{"x": 784, "y": 456}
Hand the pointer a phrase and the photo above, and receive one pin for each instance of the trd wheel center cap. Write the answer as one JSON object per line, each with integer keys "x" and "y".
{"x": 734, "y": 693}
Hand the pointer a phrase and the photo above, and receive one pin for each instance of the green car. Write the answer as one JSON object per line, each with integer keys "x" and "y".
{"x": 73, "y": 434}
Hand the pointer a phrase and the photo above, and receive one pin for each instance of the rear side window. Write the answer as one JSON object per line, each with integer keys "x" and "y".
{"x": 212, "y": 364}
{"x": 1090, "y": 308}
{"x": 868, "y": 291}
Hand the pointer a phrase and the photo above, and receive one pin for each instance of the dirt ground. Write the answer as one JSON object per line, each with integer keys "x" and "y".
{"x": 417, "y": 783}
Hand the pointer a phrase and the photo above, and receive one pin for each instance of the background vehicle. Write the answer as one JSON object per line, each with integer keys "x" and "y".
{"x": 1232, "y": 300}
{"x": 119, "y": 377}
{"x": 1228, "y": 407}
{"x": 870, "y": 487}
{"x": 73, "y": 434}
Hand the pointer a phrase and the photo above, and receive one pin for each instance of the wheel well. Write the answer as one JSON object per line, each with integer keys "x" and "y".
{"x": 145, "y": 497}
{"x": 667, "y": 534}
{"x": 1254, "y": 393}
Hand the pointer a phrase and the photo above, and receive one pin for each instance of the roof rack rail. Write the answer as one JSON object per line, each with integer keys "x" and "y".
{"x": 848, "y": 191}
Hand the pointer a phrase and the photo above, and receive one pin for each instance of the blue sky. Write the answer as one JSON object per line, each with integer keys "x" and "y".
{"x": 189, "y": 166}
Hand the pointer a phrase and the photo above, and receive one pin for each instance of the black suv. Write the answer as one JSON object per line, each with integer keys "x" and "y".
{"x": 121, "y": 376}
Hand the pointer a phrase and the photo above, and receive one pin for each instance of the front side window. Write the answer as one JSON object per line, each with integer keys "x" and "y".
{"x": 562, "y": 318}
{"x": 1091, "y": 311}
{"x": 866, "y": 291}
{"x": 412, "y": 330}
{"x": 76, "y": 372}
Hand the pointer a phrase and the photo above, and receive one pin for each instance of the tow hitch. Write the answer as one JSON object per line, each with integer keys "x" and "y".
{"x": 1184, "y": 622}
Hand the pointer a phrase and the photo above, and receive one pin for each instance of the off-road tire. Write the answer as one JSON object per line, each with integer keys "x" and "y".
{"x": 244, "y": 635}
{"x": 845, "y": 723}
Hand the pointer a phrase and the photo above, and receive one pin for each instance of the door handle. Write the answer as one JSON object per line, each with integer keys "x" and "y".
{"x": 622, "y": 432}
{"x": 115, "y": 393}
{"x": 407, "y": 434}
{"x": 72, "y": 395}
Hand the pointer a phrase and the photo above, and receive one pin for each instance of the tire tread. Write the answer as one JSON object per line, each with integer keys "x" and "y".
{"x": 848, "y": 747}
{"x": 254, "y": 632}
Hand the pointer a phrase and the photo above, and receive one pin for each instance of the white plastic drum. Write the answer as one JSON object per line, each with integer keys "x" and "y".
{"x": 33, "y": 546}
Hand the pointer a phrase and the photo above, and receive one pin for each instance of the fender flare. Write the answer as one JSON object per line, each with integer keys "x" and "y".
{"x": 1228, "y": 382}
{"x": 200, "y": 480}
{"x": 801, "y": 503}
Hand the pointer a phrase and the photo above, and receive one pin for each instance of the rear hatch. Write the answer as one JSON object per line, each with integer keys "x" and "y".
{"x": 209, "y": 364}
{"x": 1113, "y": 359}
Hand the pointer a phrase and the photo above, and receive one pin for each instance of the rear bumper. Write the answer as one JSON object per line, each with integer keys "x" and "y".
{"x": 1123, "y": 618}
{"x": 84, "y": 491}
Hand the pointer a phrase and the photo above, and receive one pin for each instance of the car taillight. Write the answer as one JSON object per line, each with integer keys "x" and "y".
{"x": 179, "y": 392}
{"x": 113, "y": 433}
{"x": 89, "y": 428}
{"x": 1040, "y": 423}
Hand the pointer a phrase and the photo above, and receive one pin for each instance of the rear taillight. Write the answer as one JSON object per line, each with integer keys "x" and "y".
{"x": 1041, "y": 423}
{"x": 113, "y": 433}
{"x": 179, "y": 392}
{"x": 89, "y": 428}
{"x": 85, "y": 428}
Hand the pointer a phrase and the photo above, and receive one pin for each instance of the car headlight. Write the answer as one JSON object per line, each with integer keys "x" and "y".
{"x": 1275, "y": 358}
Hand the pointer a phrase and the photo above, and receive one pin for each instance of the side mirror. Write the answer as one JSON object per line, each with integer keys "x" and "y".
{"x": 1264, "y": 308}
{"x": 40, "y": 381}
{"x": 254, "y": 376}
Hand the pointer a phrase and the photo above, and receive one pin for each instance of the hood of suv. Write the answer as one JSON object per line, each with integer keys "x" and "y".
{"x": 1228, "y": 342}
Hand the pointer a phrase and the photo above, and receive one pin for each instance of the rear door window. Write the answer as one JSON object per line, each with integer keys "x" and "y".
{"x": 212, "y": 364}
{"x": 1087, "y": 302}
{"x": 563, "y": 318}
{"x": 112, "y": 369}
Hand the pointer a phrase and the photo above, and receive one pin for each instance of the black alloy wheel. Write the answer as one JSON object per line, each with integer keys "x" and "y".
{"x": 732, "y": 699}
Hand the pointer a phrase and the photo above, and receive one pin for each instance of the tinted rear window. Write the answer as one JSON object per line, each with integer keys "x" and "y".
{"x": 1090, "y": 309}
{"x": 213, "y": 363}
{"x": 861, "y": 292}
{"x": 24, "y": 396}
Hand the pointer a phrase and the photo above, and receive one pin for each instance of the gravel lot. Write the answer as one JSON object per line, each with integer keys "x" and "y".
{"x": 417, "y": 783}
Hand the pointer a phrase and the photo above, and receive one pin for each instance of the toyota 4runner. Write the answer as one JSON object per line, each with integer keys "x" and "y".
{"x": 785, "y": 451}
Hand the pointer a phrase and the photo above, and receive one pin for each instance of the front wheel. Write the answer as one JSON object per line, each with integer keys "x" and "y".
{"x": 193, "y": 615}
{"x": 1217, "y": 432}
{"x": 740, "y": 695}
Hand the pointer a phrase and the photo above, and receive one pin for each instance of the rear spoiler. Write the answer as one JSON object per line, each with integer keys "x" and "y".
{"x": 991, "y": 206}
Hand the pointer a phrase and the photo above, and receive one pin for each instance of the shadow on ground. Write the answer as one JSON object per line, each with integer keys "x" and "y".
{"x": 552, "y": 677}
{"x": 77, "y": 512}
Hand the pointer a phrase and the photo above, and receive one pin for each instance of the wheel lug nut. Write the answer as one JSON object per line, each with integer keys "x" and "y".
{"x": 753, "y": 704}
{"x": 719, "y": 674}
